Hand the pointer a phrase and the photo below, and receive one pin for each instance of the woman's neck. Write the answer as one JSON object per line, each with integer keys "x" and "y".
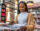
{"x": 22, "y": 12}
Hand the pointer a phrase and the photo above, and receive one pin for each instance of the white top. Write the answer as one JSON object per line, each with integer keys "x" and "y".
{"x": 22, "y": 18}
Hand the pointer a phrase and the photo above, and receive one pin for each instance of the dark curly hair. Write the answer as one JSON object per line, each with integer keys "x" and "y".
{"x": 26, "y": 9}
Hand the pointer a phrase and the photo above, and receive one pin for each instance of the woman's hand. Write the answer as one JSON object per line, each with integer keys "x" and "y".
{"x": 11, "y": 22}
{"x": 23, "y": 28}
{"x": 0, "y": 24}
{"x": 30, "y": 27}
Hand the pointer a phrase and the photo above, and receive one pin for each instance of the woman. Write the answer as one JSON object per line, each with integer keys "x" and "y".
{"x": 23, "y": 17}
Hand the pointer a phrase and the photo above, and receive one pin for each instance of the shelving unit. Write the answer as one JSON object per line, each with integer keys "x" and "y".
{"x": 35, "y": 10}
{"x": 11, "y": 7}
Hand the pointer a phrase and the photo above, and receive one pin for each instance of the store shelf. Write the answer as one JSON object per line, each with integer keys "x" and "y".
{"x": 35, "y": 5}
{"x": 35, "y": 10}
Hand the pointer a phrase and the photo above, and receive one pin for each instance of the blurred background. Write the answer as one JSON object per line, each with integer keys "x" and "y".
{"x": 12, "y": 7}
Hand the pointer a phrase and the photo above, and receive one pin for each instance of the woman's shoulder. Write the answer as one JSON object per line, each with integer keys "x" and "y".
{"x": 17, "y": 15}
{"x": 30, "y": 14}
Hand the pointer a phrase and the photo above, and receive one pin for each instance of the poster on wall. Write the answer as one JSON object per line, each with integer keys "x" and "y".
{"x": 3, "y": 13}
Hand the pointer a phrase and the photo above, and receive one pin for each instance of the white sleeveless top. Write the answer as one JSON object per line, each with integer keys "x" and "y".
{"x": 22, "y": 18}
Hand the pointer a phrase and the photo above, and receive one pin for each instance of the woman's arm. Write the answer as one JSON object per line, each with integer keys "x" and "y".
{"x": 5, "y": 24}
{"x": 11, "y": 22}
{"x": 16, "y": 20}
{"x": 30, "y": 22}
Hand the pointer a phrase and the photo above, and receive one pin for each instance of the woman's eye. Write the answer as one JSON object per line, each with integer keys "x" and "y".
{"x": 22, "y": 7}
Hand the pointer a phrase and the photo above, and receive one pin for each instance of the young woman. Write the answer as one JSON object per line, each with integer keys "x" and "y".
{"x": 23, "y": 17}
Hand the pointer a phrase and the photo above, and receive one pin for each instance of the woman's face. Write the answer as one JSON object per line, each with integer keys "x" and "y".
{"x": 22, "y": 7}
